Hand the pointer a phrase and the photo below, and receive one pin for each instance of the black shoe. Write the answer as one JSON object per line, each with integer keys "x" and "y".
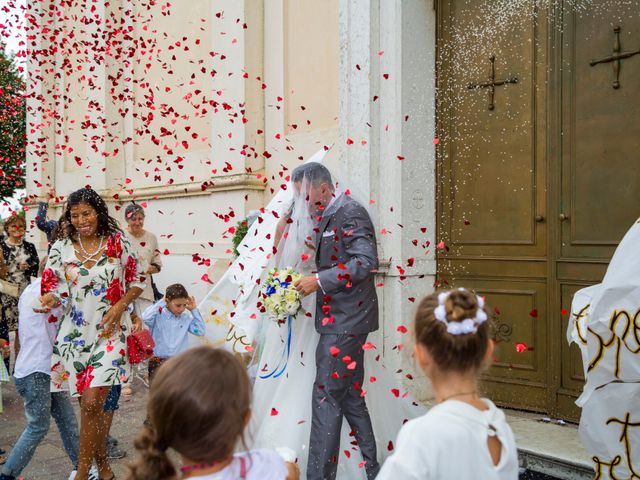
{"x": 115, "y": 453}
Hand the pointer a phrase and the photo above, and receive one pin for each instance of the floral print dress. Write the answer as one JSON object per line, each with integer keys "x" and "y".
{"x": 81, "y": 355}
{"x": 13, "y": 256}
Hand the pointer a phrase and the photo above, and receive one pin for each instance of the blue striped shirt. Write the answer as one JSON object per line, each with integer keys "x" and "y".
{"x": 170, "y": 331}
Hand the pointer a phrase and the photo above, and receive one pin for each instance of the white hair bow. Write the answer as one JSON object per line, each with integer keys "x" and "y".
{"x": 464, "y": 327}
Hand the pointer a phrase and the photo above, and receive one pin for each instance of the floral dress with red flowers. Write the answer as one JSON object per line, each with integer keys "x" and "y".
{"x": 81, "y": 355}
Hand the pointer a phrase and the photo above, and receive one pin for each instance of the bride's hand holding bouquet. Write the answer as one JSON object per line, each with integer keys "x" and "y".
{"x": 281, "y": 298}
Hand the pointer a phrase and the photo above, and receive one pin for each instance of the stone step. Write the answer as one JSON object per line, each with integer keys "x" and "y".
{"x": 548, "y": 448}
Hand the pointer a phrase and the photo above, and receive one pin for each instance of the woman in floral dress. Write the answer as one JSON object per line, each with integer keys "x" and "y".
{"x": 93, "y": 273}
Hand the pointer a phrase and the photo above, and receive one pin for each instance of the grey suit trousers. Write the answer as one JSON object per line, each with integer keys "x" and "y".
{"x": 336, "y": 394}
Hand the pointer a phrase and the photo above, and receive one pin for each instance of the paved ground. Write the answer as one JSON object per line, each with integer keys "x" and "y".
{"x": 50, "y": 462}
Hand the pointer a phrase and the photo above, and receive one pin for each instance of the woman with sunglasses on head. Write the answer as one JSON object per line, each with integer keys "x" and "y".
{"x": 18, "y": 264}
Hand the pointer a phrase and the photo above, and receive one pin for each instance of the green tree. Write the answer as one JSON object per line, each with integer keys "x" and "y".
{"x": 13, "y": 126}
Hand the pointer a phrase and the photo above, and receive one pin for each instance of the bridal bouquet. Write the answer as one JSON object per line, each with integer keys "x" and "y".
{"x": 281, "y": 299}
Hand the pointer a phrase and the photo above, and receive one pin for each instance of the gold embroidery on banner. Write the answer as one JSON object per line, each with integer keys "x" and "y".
{"x": 631, "y": 328}
{"x": 627, "y": 424}
{"x": 233, "y": 338}
{"x": 576, "y": 319}
{"x": 599, "y": 464}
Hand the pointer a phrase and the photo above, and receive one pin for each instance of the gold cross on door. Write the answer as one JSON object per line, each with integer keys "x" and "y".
{"x": 492, "y": 83}
{"x": 616, "y": 58}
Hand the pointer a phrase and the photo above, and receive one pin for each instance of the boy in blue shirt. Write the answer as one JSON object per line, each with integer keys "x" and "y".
{"x": 170, "y": 324}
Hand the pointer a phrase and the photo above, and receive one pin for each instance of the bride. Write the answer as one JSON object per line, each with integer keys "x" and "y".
{"x": 283, "y": 360}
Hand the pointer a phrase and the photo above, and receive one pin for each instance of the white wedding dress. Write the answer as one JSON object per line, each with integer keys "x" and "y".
{"x": 282, "y": 406}
{"x": 281, "y": 409}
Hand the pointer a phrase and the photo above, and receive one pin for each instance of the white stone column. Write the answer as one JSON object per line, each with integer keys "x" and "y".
{"x": 387, "y": 126}
{"x": 40, "y": 129}
{"x": 274, "y": 113}
{"x": 243, "y": 52}
{"x": 41, "y": 123}
{"x": 119, "y": 67}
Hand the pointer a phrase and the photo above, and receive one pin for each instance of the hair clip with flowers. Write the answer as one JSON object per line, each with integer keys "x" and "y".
{"x": 463, "y": 327}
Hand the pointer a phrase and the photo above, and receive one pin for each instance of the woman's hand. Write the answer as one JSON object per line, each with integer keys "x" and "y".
{"x": 5, "y": 348}
{"x": 293, "y": 471}
{"x": 151, "y": 270}
{"x": 48, "y": 302}
{"x": 23, "y": 266}
{"x": 136, "y": 323}
{"x": 110, "y": 323}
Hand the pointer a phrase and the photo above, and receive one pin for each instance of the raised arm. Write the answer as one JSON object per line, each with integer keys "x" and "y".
{"x": 41, "y": 216}
{"x": 44, "y": 225}
{"x": 197, "y": 327}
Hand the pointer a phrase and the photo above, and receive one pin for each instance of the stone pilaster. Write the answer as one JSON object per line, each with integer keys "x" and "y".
{"x": 387, "y": 125}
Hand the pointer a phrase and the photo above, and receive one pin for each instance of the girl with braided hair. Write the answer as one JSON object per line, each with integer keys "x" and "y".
{"x": 199, "y": 405}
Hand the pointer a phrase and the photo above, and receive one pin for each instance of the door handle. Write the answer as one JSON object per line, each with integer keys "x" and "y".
{"x": 539, "y": 218}
{"x": 563, "y": 217}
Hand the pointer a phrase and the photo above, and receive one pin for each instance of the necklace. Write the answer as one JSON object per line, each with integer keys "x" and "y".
{"x": 461, "y": 394}
{"x": 89, "y": 255}
{"x": 11, "y": 242}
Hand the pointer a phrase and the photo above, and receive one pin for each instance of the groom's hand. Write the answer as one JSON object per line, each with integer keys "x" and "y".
{"x": 307, "y": 285}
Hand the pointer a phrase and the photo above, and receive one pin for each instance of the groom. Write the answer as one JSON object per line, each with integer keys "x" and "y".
{"x": 346, "y": 312}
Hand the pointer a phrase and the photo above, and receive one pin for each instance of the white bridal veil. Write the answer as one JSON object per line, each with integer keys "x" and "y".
{"x": 231, "y": 309}
{"x": 282, "y": 396}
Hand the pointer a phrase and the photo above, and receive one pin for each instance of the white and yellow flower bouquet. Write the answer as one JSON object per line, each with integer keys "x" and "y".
{"x": 281, "y": 299}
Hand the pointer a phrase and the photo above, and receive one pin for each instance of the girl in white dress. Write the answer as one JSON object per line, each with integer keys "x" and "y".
{"x": 199, "y": 405}
{"x": 464, "y": 435}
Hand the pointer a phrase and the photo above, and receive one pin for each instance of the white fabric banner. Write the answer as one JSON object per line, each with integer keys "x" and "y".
{"x": 605, "y": 324}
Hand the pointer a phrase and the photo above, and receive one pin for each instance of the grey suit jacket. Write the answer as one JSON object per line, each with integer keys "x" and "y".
{"x": 347, "y": 260}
